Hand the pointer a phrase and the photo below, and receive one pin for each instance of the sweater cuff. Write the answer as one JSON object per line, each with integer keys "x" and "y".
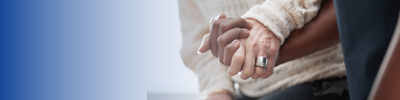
{"x": 273, "y": 17}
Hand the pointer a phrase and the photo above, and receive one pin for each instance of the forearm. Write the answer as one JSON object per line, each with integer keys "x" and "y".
{"x": 386, "y": 85}
{"x": 318, "y": 34}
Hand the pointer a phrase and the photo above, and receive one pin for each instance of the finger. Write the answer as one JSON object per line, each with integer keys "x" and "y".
{"x": 247, "y": 25}
{"x": 263, "y": 47}
{"x": 272, "y": 57}
{"x": 227, "y": 38}
{"x": 214, "y": 36}
{"x": 231, "y": 35}
{"x": 270, "y": 68}
{"x": 229, "y": 50}
{"x": 227, "y": 25}
{"x": 248, "y": 68}
{"x": 220, "y": 16}
{"x": 205, "y": 44}
{"x": 237, "y": 60}
{"x": 258, "y": 72}
{"x": 214, "y": 30}
{"x": 232, "y": 23}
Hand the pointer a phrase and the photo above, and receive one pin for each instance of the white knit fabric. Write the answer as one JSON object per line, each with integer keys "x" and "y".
{"x": 281, "y": 17}
{"x": 322, "y": 64}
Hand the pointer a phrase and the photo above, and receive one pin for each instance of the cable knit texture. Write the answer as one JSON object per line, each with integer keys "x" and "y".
{"x": 322, "y": 64}
{"x": 281, "y": 17}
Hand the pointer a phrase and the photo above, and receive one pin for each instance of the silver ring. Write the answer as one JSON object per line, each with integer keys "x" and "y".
{"x": 261, "y": 61}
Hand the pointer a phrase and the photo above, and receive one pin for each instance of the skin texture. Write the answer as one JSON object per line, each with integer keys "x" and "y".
{"x": 316, "y": 35}
{"x": 223, "y": 36}
{"x": 321, "y": 33}
{"x": 261, "y": 43}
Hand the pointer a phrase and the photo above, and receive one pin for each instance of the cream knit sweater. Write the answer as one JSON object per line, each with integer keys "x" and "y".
{"x": 281, "y": 17}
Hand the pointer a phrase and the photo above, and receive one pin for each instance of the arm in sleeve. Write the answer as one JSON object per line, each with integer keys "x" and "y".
{"x": 213, "y": 77}
{"x": 283, "y": 16}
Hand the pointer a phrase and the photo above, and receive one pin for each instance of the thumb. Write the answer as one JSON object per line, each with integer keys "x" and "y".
{"x": 205, "y": 45}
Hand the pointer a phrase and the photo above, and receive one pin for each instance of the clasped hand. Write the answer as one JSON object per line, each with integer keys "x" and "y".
{"x": 238, "y": 42}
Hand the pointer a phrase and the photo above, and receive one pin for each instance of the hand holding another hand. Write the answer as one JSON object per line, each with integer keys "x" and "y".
{"x": 227, "y": 41}
{"x": 261, "y": 43}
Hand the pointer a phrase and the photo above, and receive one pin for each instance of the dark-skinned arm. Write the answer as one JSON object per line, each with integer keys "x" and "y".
{"x": 387, "y": 83}
{"x": 318, "y": 34}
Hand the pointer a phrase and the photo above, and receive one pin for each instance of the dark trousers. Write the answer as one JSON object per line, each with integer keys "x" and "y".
{"x": 325, "y": 89}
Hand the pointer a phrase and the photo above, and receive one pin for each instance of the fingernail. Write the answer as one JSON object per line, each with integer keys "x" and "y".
{"x": 198, "y": 50}
{"x": 211, "y": 20}
{"x": 217, "y": 17}
{"x": 230, "y": 74}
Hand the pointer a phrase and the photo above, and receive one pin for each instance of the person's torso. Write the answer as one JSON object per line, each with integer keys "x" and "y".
{"x": 365, "y": 28}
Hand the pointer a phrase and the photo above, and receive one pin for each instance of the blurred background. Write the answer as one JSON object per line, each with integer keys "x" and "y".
{"x": 92, "y": 50}
{"x": 167, "y": 76}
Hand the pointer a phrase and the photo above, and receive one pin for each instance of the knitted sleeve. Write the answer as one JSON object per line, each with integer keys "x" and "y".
{"x": 212, "y": 75}
{"x": 283, "y": 16}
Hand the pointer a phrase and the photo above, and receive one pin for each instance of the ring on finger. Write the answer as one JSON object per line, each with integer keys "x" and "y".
{"x": 261, "y": 61}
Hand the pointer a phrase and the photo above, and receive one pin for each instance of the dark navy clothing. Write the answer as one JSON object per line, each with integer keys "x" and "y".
{"x": 365, "y": 28}
{"x": 334, "y": 88}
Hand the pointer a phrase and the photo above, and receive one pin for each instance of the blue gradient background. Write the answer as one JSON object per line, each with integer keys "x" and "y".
{"x": 70, "y": 50}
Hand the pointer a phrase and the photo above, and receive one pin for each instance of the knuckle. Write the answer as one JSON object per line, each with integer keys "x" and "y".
{"x": 265, "y": 44}
{"x": 273, "y": 51}
{"x": 216, "y": 24}
{"x": 223, "y": 27}
{"x": 269, "y": 72}
{"x": 247, "y": 72}
{"x": 221, "y": 40}
{"x": 274, "y": 48}
{"x": 229, "y": 49}
{"x": 244, "y": 77}
{"x": 259, "y": 73}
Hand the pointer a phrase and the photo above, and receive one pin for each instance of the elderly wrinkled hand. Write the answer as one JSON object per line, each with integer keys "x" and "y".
{"x": 236, "y": 46}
